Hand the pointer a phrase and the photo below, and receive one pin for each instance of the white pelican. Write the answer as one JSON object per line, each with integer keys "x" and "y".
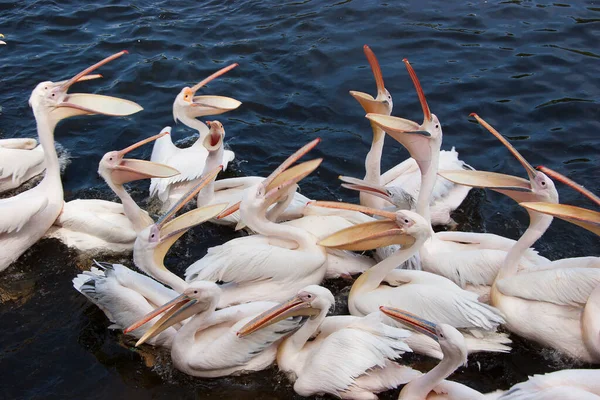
{"x": 208, "y": 345}
{"x": 26, "y": 217}
{"x": 402, "y": 181}
{"x": 189, "y": 161}
{"x": 353, "y": 360}
{"x": 551, "y": 304}
{"x": 20, "y": 160}
{"x": 258, "y": 267}
{"x": 100, "y": 225}
{"x": 572, "y": 384}
{"x": 430, "y": 295}
{"x": 468, "y": 259}
{"x": 232, "y": 190}
{"x": 126, "y": 296}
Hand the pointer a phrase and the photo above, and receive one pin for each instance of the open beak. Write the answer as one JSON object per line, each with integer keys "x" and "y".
{"x": 211, "y": 105}
{"x": 368, "y": 103}
{"x": 516, "y": 188}
{"x": 278, "y": 183}
{"x": 365, "y": 187}
{"x": 291, "y": 308}
{"x": 413, "y": 321}
{"x": 582, "y": 217}
{"x": 215, "y": 135}
{"x": 176, "y": 310}
{"x": 170, "y": 229}
{"x": 86, "y": 103}
{"x": 367, "y": 236}
{"x": 130, "y": 169}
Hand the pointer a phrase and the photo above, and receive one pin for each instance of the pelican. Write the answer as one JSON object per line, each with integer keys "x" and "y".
{"x": 189, "y": 161}
{"x": 572, "y": 384}
{"x": 126, "y": 296}
{"x": 421, "y": 292}
{"x": 402, "y": 181}
{"x": 554, "y": 305}
{"x": 354, "y": 360}
{"x": 232, "y": 190}
{"x": 259, "y": 267}
{"x": 26, "y": 217}
{"x": 20, "y": 160}
{"x": 207, "y": 345}
{"x": 471, "y": 260}
{"x": 100, "y": 225}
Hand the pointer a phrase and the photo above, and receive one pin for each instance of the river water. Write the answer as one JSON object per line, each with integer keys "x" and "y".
{"x": 530, "y": 68}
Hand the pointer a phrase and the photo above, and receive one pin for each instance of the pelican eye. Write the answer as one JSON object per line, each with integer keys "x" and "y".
{"x": 543, "y": 183}
{"x": 195, "y": 292}
{"x": 437, "y": 126}
{"x": 406, "y": 221}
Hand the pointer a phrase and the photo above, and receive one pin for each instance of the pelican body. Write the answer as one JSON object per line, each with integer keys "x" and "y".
{"x": 25, "y": 217}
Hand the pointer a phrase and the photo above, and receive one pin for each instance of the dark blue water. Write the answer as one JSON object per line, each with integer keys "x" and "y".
{"x": 529, "y": 68}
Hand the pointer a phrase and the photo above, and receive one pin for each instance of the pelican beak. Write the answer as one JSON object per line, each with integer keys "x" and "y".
{"x": 409, "y": 134}
{"x": 130, "y": 169}
{"x": 419, "y": 89}
{"x": 170, "y": 229}
{"x": 176, "y": 310}
{"x": 582, "y": 217}
{"x": 367, "y": 236}
{"x": 418, "y": 324}
{"x": 368, "y": 103}
{"x": 212, "y": 105}
{"x": 88, "y": 104}
{"x": 291, "y": 308}
{"x": 531, "y": 172}
{"x": 216, "y": 133}
{"x": 361, "y": 185}
{"x": 354, "y": 207}
{"x": 284, "y": 176}
{"x": 516, "y": 188}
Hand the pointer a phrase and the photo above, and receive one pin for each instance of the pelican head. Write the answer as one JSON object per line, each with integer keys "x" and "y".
{"x": 153, "y": 243}
{"x": 115, "y": 168}
{"x": 450, "y": 339}
{"x": 422, "y": 141}
{"x": 277, "y": 185}
{"x": 382, "y": 104}
{"x": 198, "y": 297}
{"x": 50, "y": 99}
{"x": 216, "y": 135}
{"x": 311, "y": 301}
{"x": 539, "y": 187}
{"x": 187, "y": 106}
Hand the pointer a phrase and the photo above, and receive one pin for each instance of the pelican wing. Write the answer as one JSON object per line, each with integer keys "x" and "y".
{"x": 228, "y": 350}
{"x": 250, "y": 259}
{"x": 562, "y": 286}
{"x": 575, "y": 262}
{"x": 16, "y": 211}
{"x": 98, "y": 218}
{"x": 121, "y": 294}
{"x": 408, "y": 166}
{"x": 15, "y": 163}
{"x": 569, "y": 384}
{"x": 346, "y": 355}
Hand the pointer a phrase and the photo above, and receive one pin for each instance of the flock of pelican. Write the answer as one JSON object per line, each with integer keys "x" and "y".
{"x": 257, "y": 300}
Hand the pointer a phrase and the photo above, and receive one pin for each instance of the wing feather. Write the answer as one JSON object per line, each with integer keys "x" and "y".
{"x": 16, "y": 211}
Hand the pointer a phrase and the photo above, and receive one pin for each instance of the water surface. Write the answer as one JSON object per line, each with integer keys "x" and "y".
{"x": 527, "y": 67}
